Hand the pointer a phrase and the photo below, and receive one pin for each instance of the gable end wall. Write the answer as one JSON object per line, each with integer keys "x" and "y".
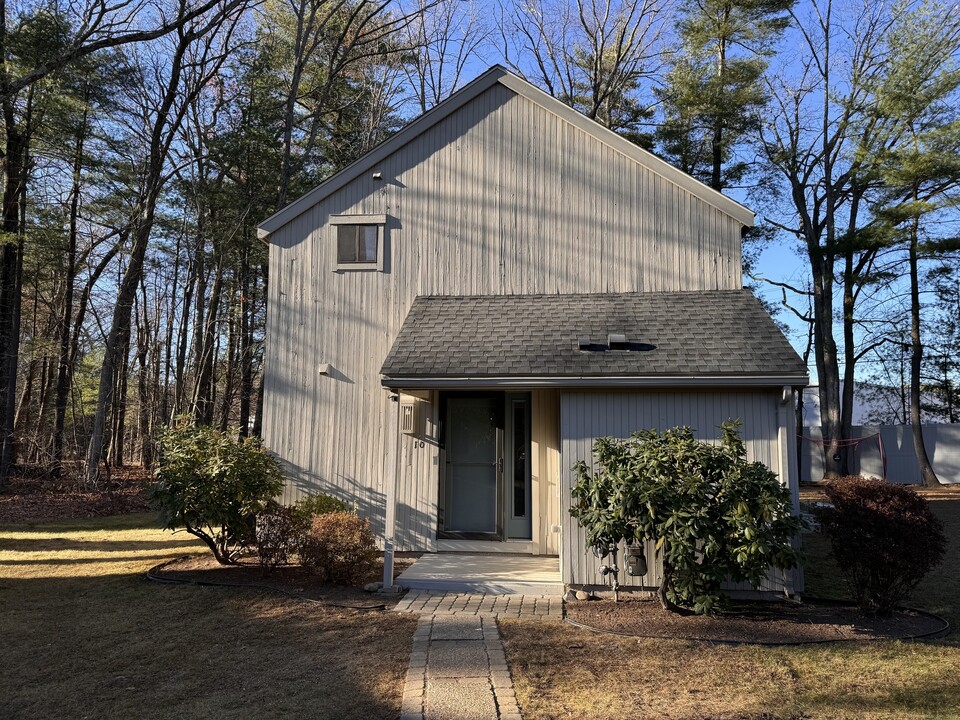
{"x": 501, "y": 197}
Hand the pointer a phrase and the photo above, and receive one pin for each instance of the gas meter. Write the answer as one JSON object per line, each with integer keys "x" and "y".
{"x": 636, "y": 561}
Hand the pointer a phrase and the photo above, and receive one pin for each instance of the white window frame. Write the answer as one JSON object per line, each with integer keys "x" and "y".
{"x": 380, "y": 221}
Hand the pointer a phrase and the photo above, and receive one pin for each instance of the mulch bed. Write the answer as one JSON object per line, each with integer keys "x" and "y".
{"x": 769, "y": 622}
{"x": 291, "y": 580}
{"x": 814, "y": 492}
{"x": 33, "y": 497}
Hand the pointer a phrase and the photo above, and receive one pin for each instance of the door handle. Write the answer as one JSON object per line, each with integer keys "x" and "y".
{"x": 500, "y": 465}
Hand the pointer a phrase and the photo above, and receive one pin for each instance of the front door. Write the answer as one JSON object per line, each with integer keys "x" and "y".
{"x": 473, "y": 462}
{"x": 486, "y": 478}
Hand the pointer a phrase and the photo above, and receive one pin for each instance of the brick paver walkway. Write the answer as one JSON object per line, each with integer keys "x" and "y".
{"x": 458, "y": 670}
{"x": 508, "y": 606}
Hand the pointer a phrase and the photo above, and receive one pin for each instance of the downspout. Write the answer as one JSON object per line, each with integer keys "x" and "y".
{"x": 390, "y": 520}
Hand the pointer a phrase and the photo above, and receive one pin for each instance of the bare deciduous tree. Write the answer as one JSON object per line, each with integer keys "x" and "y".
{"x": 594, "y": 55}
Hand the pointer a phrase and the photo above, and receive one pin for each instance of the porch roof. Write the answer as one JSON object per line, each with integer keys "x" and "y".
{"x": 706, "y": 338}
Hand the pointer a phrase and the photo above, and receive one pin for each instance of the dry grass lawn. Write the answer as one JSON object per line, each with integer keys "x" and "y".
{"x": 563, "y": 672}
{"x": 85, "y": 635}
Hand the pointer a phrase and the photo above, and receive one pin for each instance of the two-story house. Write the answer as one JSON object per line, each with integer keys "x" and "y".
{"x": 454, "y": 318}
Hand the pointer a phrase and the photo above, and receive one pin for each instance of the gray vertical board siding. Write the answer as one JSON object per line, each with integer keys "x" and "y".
{"x": 586, "y": 416}
{"x": 501, "y": 197}
{"x": 545, "y": 469}
{"x": 942, "y": 442}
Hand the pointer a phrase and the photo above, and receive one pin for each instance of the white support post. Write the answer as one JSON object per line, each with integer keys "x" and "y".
{"x": 390, "y": 519}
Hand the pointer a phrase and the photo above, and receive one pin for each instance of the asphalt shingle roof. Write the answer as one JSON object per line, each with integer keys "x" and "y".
{"x": 716, "y": 333}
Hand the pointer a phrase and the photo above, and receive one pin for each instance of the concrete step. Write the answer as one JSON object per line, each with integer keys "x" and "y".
{"x": 493, "y": 574}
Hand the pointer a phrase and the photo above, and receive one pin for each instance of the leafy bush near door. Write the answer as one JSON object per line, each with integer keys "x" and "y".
{"x": 282, "y": 530}
{"x": 280, "y": 533}
{"x": 712, "y": 513}
{"x": 214, "y": 486}
{"x": 340, "y": 548}
{"x": 884, "y": 537}
{"x": 319, "y": 504}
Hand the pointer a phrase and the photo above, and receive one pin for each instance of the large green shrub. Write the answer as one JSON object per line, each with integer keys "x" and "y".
{"x": 213, "y": 486}
{"x": 885, "y": 539}
{"x": 340, "y": 548}
{"x": 712, "y": 513}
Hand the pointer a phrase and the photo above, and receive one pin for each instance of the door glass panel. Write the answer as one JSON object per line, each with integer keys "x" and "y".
{"x": 471, "y": 445}
{"x": 518, "y": 490}
{"x": 519, "y": 460}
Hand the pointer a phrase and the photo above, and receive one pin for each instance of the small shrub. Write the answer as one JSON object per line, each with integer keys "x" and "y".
{"x": 307, "y": 507}
{"x": 213, "y": 486}
{"x": 340, "y": 547}
{"x": 885, "y": 539}
{"x": 280, "y": 534}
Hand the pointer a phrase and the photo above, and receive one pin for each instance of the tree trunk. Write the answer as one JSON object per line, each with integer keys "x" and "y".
{"x": 716, "y": 144}
{"x": 143, "y": 394}
{"x": 64, "y": 366}
{"x": 168, "y": 345}
{"x": 246, "y": 346}
{"x": 927, "y": 473}
{"x": 180, "y": 380}
{"x": 226, "y": 403}
{"x": 847, "y": 387}
{"x": 11, "y": 275}
{"x": 203, "y": 401}
{"x": 665, "y": 601}
{"x": 116, "y": 442}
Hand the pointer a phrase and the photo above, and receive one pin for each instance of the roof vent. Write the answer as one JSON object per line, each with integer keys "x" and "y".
{"x": 617, "y": 341}
{"x": 583, "y": 342}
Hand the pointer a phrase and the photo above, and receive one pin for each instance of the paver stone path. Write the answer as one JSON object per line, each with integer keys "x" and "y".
{"x": 458, "y": 670}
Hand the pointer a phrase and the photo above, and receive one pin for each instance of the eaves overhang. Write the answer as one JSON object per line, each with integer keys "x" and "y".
{"x": 537, "y": 381}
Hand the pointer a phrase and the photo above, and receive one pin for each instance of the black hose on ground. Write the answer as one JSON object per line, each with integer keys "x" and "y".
{"x": 152, "y": 574}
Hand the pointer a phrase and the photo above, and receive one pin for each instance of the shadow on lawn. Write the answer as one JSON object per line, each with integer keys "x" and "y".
{"x": 121, "y": 647}
{"x": 106, "y": 645}
{"x": 42, "y": 545}
{"x": 156, "y": 557}
{"x": 914, "y": 696}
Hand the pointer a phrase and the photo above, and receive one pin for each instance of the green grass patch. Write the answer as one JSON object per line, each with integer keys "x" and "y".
{"x": 86, "y": 635}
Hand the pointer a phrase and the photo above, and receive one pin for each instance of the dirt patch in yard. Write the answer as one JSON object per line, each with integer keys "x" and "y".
{"x": 32, "y": 495}
{"x": 293, "y": 580}
{"x": 767, "y": 623}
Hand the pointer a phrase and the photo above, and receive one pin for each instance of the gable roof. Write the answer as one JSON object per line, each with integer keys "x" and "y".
{"x": 699, "y": 338}
{"x": 499, "y": 74}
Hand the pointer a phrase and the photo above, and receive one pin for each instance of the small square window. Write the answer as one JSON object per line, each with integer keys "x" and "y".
{"x": 357, "y": 243}
{"x": 360, "y": 241}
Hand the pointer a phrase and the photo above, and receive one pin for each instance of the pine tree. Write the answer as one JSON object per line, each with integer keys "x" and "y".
{"x": 714, "y": 92}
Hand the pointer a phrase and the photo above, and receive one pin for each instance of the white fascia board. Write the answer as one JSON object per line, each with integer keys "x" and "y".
{"x": 538, "y": 381}
{"x": 633, "y": 151}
